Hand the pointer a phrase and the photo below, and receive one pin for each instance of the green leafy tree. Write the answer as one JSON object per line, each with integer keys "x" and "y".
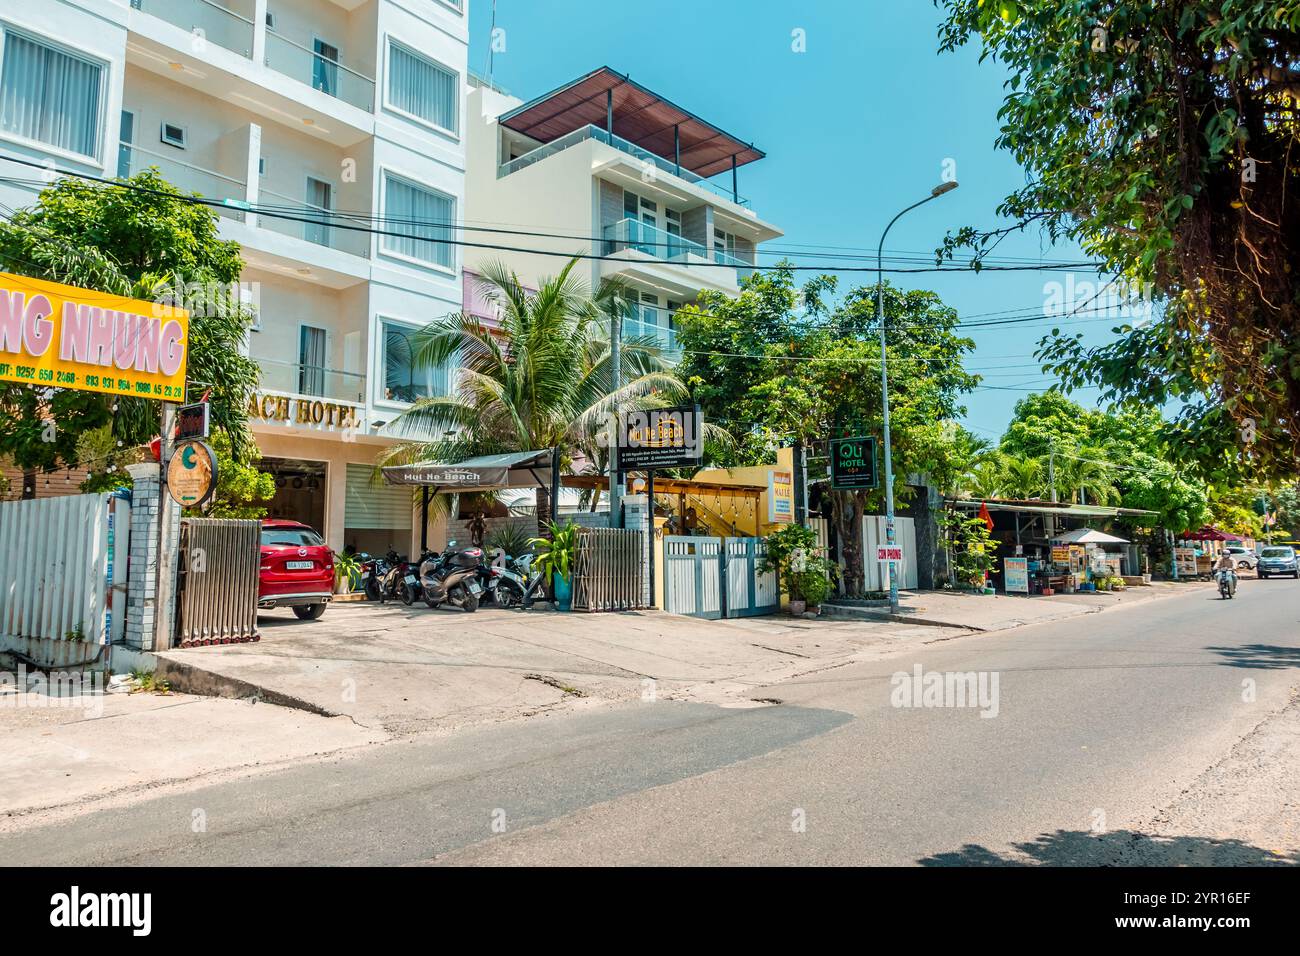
{"x": 779, "y": 363}
{"x": 242, "y": 490}
{"x": 1162, "y": 137}
{"x": 146, "y": 243}
{"x": 540, "y": 380}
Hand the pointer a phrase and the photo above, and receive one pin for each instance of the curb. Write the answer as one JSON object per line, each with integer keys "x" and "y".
{"x": 189, "y": 679}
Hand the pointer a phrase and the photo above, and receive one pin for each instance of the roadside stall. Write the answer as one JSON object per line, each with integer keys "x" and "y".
{"x": 1205, "y": 543}
{"x": 1092, "y": 560}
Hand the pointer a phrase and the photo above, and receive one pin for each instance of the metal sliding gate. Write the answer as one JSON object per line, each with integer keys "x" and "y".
{"x": 609, "y": 570}
{"x": 714, "y": 578}
{"x": 219, "y": 577}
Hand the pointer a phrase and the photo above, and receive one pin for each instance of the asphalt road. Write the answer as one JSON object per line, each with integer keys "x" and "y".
{"x": 1101, "y": 722}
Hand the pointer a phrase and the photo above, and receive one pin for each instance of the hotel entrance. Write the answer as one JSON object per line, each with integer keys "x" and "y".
{"x": 300, "y": 491}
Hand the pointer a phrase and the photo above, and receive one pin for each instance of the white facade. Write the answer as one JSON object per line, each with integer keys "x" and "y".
{"x": 663, "y": 231}
{"x": 354, "y": 105}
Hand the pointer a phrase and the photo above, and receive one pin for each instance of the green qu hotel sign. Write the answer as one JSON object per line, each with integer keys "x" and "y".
{"x": 853, "y": 463}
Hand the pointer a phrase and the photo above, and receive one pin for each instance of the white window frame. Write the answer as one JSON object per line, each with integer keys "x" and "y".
{"x": 384, "y": 173}
{"x": 459, "y": 80}
{"x": 457, "y": 6}
{"x": 377, "y": 376}
{"x": 135, "y": 135}
{"x": 105, "y": 77}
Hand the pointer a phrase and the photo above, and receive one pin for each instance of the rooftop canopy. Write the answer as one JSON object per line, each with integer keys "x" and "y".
{"x": 1089, "y": 536}
{"x": 639, "y": 116}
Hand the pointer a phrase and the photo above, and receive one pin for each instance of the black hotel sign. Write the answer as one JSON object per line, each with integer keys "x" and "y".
{"x": 853, "y": 463}
{"x": 660, "y": 438}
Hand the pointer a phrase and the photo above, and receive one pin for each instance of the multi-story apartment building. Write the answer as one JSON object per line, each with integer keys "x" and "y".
{"x": 351, "y": 106}
{"x": 605, "y": 168}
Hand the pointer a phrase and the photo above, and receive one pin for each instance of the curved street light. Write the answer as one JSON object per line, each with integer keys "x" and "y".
{"x": 890, "y": 536}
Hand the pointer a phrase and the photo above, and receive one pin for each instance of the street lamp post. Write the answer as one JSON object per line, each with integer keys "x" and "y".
{"x": 891, "y": 537}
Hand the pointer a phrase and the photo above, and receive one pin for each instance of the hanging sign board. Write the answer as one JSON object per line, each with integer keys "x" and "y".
{"x": 891, "y": 552}
{"x": 780, "y": 497}
{"x": 191, "y": 474}
{"x": 1015, "y": 575}
{"x": 1185, "y": 561}
{"x": 661, "y": 438}
{"x": 192, "y": 422}
{"x": 61, "y": 336}
{"x": 853, "y": 463}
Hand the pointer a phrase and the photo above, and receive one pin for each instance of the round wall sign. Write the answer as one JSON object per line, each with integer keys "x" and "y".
{"x": 191, "y": 474}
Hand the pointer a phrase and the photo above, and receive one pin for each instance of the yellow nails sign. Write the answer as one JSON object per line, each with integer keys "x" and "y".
{"x": 60, "y": 336}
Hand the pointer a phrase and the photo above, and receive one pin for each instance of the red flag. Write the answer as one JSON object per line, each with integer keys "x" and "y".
{"x": 985, "y": 516}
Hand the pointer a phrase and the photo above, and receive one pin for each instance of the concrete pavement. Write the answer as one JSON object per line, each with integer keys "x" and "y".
{"x": 1119, "y": 738}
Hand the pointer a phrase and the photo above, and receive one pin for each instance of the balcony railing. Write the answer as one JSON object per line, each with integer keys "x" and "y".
{"x": 296, "y": 378}
{"x": 319, "y": 72}
{"x": 602, "y": 136}
{"x": 659, "y": 243}
{"x": 651, "y": 322}
{"x": 210, "y": 21}
{"x": 325, "y": 231}
{"x": 186, "y": 177}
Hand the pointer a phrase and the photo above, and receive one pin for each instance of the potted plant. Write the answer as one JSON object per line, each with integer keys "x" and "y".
{"x": 555, "y": 557}
{"x": 815, "y": 586}
{"x": 792, "y": 553}
{"x": 347, "y": 572}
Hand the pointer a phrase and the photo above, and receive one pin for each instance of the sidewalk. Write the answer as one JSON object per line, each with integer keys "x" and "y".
{"x": 998, "y": 612}
{"x": 406, "y": 670}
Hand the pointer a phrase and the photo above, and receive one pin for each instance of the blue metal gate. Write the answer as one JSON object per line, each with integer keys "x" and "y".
{"x": 713, "y": 578}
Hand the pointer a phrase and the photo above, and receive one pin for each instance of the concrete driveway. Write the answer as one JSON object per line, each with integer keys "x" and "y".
{"x": 405, "y": 670}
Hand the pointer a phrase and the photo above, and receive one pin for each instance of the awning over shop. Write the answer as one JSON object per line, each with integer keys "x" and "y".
{"x": 1030, "y": 505}
{"x": 520, "y": 469}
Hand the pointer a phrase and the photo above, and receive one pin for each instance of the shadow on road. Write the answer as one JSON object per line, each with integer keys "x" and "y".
{"x": 1263, "y": 656}
{"x": 1117, "y": 848}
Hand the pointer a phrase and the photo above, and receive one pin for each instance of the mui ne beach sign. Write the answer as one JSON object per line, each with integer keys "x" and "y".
{"x": 61, "y": 336}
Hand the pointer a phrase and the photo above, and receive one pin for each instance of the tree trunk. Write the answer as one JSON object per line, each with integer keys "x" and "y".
{"x": 544, "y": 515}
{"x": 29, "y": 483}
{"x": 847, "y": 507}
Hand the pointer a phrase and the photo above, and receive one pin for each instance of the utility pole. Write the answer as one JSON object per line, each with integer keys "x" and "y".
{"x": 616, "y": 381}
{"x": 800, "y": 478}
{"x": 890, "y": 536}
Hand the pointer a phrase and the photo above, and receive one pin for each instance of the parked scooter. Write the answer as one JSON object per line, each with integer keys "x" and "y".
{"x": 452, "y": 578}
{"x": 504, "y": 584}
{"x": 401, "y": 582}
{"x": 374, "y": 573}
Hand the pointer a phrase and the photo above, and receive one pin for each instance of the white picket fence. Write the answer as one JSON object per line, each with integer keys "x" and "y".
{"x": 63, "y": 564}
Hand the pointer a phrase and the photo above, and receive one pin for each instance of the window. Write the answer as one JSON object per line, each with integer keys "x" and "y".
{"x": 724, "y": 246}
{"x": 50, "y": 96}
{"x": 421, "y": 88}
{"x": 404, "y": 379}
{"x": 125, "y": 137}
{"x": 311, "y": 360}
{"x": 173, "y": 135}
{"x": 325, "y": 67}
{"x": 320, "y": 197}
{"x": 424, "y": 216}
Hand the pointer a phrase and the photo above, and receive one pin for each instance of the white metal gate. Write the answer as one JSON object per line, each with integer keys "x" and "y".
{"x": 873, "y": 535}
{"x": 693, "y": 576}
{"x": 63, "y": 564}
{"x": 714, "y": 578}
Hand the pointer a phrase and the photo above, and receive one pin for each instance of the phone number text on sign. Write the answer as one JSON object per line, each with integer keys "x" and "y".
{"x": 61, "y": 336}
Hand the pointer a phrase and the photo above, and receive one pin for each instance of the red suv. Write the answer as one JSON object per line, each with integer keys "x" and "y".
{"x": 296, "y": 570}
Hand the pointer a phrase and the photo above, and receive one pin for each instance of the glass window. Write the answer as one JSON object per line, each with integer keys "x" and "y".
{"x": 404, "y": 380}
{"x": 311, "y": 360}
{"x": 50, "y": 96}
{"x": 291, "y": 538}
{"x": 325, "y": 67}
{"x": 420, "y": 87}
{"x": 320, "y": 197}
{"x": 126, "y": 136}
{"x": 424, "y": 217}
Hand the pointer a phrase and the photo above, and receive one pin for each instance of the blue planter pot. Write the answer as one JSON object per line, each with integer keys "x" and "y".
{"x": 563, "y": 593}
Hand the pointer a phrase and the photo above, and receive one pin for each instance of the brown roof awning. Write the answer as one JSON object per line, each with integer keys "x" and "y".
{"x": 641, "y": 117}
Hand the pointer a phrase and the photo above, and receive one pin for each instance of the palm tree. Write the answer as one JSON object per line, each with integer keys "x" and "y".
{"x": 541, "y": 379}
{"x": 987, "y": 477}
{"x": 1083, "y": 477}
{"x": 1023, "y": 477}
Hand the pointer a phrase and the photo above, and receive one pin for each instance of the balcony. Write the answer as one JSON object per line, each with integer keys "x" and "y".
{"x": 326, "y": 231}
{"x": 663, "y": 246}
{"x": 320, "y": 71}
{"x": 602, "y": 136}
{"x": 313, "y": 381}
{"x": 186, "y": 177}
{"x": 653, "y": 323}
{"x": 210, "y": 21}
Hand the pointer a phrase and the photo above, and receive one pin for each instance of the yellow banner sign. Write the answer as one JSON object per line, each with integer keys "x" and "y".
{"x": 60, "y": 336}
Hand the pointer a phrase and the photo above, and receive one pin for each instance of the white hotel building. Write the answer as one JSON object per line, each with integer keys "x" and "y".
{"x": 352, "y": 105}
{"x": 646, "y": 189}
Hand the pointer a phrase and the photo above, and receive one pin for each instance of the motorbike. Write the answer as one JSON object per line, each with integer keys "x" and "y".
{"x": 452, "y": 578}
{"x": 374, "y": 574}
{"x": 1227, "y": 584}
{"x": 402, "y": 581}
{"x": 504, "y": 583}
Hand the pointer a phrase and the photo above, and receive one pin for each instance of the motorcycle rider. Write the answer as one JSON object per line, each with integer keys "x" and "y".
{"x": 1227, "y": 565}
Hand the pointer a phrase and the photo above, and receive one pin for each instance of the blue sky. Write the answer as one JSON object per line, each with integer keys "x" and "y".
{"x": 856, "y": 127}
